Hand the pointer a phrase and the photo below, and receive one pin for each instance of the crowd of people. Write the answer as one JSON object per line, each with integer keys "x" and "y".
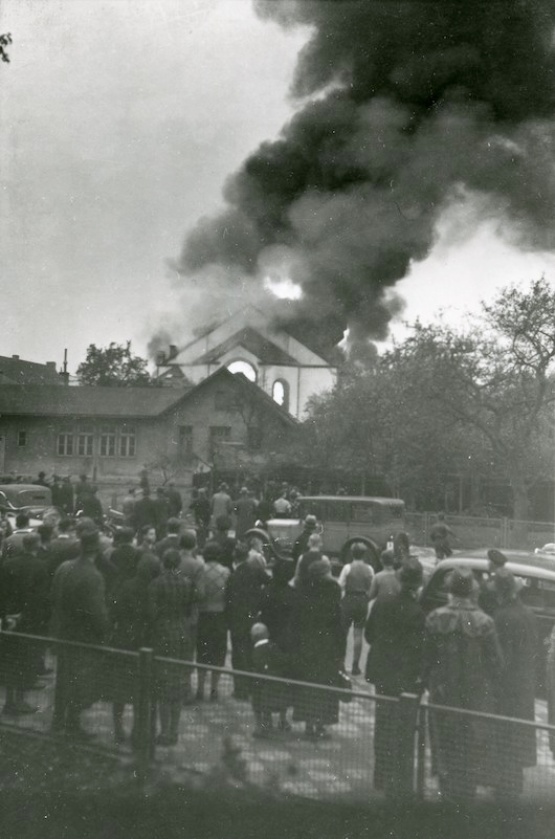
{"x": 476, "y": 653}
{"x": 189, "y": 599}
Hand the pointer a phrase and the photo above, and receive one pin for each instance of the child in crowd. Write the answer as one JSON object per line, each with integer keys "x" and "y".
{"x": 268, "y": 697}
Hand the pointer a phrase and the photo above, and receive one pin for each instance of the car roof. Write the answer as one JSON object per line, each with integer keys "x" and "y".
{"x": 23, "y": 487}
{"x": 373, "y": 499}
{"x": 523, "y": 565}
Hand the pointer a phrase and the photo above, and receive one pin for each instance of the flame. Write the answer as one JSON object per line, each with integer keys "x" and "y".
{"x": 283, "y": 289}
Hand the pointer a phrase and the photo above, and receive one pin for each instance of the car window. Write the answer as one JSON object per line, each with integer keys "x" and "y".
{"x": 364, "y": 513}
{"x": 313, "y": 508}
{"x": 537, "y": 593}
{"x": 335, "y": 511}
{"x": 393, "y": 513}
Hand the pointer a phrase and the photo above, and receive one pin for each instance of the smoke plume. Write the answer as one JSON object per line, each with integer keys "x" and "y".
{"x": 407, "y": 107}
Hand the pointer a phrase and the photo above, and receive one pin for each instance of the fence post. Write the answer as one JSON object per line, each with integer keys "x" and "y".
{"x": 421, "y": 728}
{"x": 144, "y": 709}
{"x": 408, "y": 714}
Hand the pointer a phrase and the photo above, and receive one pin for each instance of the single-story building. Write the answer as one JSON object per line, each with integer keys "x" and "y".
{"x": 112, "y": 433}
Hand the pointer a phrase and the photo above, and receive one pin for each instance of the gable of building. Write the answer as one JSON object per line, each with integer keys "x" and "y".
{"x": 251, "y": 322}
{"x": 264, "y": 350}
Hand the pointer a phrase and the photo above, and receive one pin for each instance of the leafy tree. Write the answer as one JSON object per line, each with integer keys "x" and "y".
{"x": 495, "y": 379}
{"x": 475, "y": 402}
{"x": 114, "y": 366}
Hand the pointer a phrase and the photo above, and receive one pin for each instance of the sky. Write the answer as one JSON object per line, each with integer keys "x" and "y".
{"x": 121, "y": 120}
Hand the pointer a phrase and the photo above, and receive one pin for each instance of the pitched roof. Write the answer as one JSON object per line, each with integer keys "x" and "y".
{"x": 119, "y": 402}
{"x": 250, "y": 388}
{"x": 15, "y": 371}
{"x": 48, "y": 400}
{"x": 264, "y": 350}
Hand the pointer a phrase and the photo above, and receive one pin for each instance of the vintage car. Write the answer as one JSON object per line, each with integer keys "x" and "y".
{"x": 342, "y": 520}
{"x": 31, "y": 498}
{"x": 534, "y": 573}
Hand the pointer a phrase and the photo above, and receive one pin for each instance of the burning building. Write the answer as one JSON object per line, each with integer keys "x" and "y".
{"x": 405, "y": 109}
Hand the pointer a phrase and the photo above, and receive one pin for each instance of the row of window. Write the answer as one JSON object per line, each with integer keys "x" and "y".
{"x": 112, "y": 442}
{"x": 120, "y": 441}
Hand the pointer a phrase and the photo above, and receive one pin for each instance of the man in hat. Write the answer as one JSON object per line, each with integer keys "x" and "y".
{"x": 221, "y": 504}
{"x": 79, "y": 614}
{"x": 462, "y": 669}
{"x": 441, "y": 536}
{"x": 487, "y": 598}
{"x": 245, "y": 510}
{"x": 301, "y": 543}
{"x": 395, "y": 631}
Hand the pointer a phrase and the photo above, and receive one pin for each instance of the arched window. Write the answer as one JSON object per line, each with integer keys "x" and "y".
{"x": 244, "y": 367}
{"x": 280, "y": 393}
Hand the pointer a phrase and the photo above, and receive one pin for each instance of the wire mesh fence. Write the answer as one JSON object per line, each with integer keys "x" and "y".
{"x": 67, "y": 689}
{"x": 288, "y": 737}
{"x": 478, "y": 531}
{"x": 469, "y": 755}
{"x": 291, "y": 737}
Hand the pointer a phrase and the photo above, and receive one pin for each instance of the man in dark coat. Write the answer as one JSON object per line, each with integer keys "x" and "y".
{"x": 80, "y": 614}
{"x": 83, "y": 488}
{"x": 301, "y": 543}
{"x": 162, "y": 513}
{"x": 174, "y": 499}
{"x": 91, "y": 506}
{"x": 67, "y": 503}
{"x": 243, "y": 601}
{"x": 395, "y": 632}
{"x": 64, "y": 546}
{"x": 245, "y": 511}
{"x": 144, "y": 512}
{"x": 462, "y": 668}
{"x": 201, "y": 509}
{"x": 57, "y": 495}
{"x": 226, "y": 542}
{"x": 122, "y": 563}
{"x": 518, "y": 637}
{"x": 319, "y": 649}
{"x": 441, "y": 536}
{"x": 23, "y": 592}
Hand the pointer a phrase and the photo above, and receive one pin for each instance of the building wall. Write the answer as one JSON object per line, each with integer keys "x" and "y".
{"x": 40, "y": 451}
{"x": 303, "y": 382}
{"x": 214, "y": 407}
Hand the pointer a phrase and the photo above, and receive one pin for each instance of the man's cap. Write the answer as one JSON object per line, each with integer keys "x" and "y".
{"x": 496, "y": 557}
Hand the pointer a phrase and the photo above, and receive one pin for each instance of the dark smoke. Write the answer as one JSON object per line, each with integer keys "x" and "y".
{"x": 419, "y": 104}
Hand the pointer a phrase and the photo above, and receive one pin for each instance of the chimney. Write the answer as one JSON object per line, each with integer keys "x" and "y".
{"x": 16, "y": 357}
{"x": 51, "y": 365}
{"x": 172, "y": 352}
{"x": 63, "y": 372}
